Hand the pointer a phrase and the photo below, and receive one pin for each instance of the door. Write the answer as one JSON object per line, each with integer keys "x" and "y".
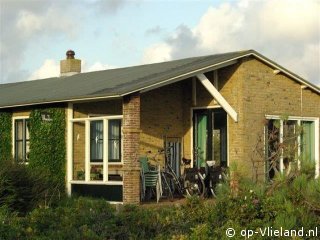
{"x": 210, "y": 136}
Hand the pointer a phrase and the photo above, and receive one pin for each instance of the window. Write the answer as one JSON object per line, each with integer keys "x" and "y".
{"x": 96, "y": 141}
{"x": 114, "y": 140}
{"x": 290, "y": 144}
{"x": 21, "y": 140}
{"x": 96, "y": 149}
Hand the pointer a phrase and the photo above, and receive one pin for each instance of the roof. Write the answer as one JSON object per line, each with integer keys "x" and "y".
{"x": 122, "y": 81}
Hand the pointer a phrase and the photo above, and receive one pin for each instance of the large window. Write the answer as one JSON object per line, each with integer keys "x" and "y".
{"x": 21, "y": 140}
{"x": 290, "y": 144}
{"x": 96, "y": 149}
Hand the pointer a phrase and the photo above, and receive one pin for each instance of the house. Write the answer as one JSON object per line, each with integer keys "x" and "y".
{"x": 211, "y": 107}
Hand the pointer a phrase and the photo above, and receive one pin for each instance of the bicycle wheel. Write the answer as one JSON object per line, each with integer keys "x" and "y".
{"x": 212, "y": 189}
{"x": 194, "y": 185}
{"x": 166, "y": 182}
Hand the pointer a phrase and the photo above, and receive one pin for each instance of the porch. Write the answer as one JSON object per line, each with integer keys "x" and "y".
{"x": 107, "y": 137}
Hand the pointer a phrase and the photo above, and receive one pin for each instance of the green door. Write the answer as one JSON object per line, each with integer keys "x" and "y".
{"x": 210, "y": 136}
{"x": 201, "y": 138}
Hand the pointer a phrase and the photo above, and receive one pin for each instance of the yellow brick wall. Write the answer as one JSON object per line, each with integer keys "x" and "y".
{"x": 104, "y": 108}
{"x": 161, "y": 115}
{"x": 267, "y": 93}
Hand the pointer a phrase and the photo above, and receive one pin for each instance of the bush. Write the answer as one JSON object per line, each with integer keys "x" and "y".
{"x": 22, "y": 188}
{"x": 5, "y": 136}
{"x": 290, "y": 203}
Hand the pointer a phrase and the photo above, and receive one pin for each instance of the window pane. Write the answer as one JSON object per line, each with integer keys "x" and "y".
{"x": 96, "y": 141}
{"x": 27, "y": 151}
{"x": 19, "y": 129}
{"x": 27, "y": 123}
{"x": 308, "y": 142}
{"x": 290, "y": 144}
{"x": 114, "y": 140}
{"x": 19, "y": 151}
{"x": 273, "y": 151}
{"x": 115, "y": 176}
{"x": 79, "y": 151}
{"x": 96, "y": 172}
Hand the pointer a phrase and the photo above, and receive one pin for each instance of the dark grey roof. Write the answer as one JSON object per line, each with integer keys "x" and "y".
{"x": 110, "y": 83}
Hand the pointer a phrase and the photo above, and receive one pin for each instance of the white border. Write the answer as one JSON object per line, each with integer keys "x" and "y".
{"x": 69, "y": 147}
{"x": 105, "y": 164}
{"x": 14, "y": 133}
{"x": 316, "y": 135}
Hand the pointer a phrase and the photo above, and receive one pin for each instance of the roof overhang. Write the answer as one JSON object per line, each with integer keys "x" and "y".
{"x": 180, "y": 77}
{"x": 187, "y": 75}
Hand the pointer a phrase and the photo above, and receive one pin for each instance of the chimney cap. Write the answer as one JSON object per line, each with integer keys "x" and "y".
{"x": 70, "y": 54}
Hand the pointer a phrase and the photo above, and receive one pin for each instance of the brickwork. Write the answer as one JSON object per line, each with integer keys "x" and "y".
{"x": 267, "y": 93}
{"x": 131, "y": 139}
{"x": 161, "y": 115}
{"x": 70, "y": 65}
{"x": 102, "y": 108}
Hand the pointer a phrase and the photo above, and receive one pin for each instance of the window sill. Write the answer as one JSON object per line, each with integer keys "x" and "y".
{"x": 96, "y": 182}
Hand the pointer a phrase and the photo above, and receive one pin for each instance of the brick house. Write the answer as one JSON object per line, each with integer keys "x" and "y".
{"x": 218, "y": 103}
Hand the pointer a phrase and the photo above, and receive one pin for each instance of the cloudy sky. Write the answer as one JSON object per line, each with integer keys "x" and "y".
{"x": 34, "y": 34}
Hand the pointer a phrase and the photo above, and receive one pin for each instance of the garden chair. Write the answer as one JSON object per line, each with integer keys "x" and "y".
{"x": 150, "y": 178}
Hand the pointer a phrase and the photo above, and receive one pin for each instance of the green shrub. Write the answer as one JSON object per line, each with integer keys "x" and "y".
{"x": 22, "y": 188}
{"x": 47, "y": 143}
{"x": 5, "y": 136}
{"x": 290, "y": 203}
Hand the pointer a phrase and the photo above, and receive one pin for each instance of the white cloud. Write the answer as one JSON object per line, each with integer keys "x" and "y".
{"x": 49, "y": 68}
{"x": 157, "y": 53}
{"x": 28, "y": 22}
{"x": 286, "y": 31}
{"x": 97, "y": 66}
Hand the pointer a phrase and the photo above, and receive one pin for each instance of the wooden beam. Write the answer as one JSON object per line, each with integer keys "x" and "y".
{"x": 217, "y": 96}
{"x": 194, "y": 92}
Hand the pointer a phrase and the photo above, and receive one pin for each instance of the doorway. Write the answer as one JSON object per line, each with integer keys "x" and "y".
{"x": 210, "y": 136}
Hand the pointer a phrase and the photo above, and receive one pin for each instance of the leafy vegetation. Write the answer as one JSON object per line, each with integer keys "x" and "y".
{"x": 47, "y": 143}
{"x": 22, "y": 188}
{"x": 289, "y": 202}
{"x": 5, "y": 136}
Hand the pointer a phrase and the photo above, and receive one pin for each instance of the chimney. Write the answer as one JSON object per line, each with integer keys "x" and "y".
{"x": 70, "y": 66}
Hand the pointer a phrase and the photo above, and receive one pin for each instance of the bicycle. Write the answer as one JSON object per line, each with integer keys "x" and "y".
{"x": 212, "y": 176}
{"x": 166, "y": 189}
{"x": 191, "y": 183}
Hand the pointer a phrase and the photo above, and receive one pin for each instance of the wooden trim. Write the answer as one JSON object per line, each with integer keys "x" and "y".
{"x": 218, "y": 97}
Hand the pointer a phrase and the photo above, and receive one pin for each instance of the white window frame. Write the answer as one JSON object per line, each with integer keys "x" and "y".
{"x": 105, "y": 162}
{"x": 13, "y": 131}
{"x": 316, "y": 135}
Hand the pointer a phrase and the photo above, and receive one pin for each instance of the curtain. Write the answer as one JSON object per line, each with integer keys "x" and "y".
{"x": 114, "y": 140}
{"x": 96, "y": 141}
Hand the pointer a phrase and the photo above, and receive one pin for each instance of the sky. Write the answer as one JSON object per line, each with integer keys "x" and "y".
{"x": 105, "y": 34}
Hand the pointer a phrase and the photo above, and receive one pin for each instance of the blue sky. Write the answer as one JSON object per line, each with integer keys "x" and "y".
{"x": 106, "y": 34}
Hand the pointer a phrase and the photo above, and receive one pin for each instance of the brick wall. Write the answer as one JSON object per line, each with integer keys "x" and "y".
{"x": 107, "y": 107}
{"x": 267, "y": 93}
{"x": 131, "y": 139}
{"x": 161, "y": 115}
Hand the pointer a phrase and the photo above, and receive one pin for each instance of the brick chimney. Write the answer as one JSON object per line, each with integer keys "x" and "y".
{"x": 70, "y": 66}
